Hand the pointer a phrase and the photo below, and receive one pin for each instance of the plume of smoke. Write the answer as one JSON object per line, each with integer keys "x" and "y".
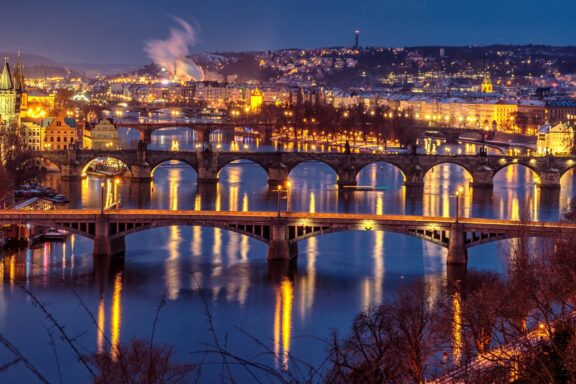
{"x": 172, "y": 53}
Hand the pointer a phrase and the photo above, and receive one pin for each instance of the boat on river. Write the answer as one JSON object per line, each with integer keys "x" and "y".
{"x": 32, "y": 190}
{"x": 49, "y": 234}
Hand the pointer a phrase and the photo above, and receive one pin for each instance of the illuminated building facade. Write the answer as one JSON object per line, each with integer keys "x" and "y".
{"x": 103, "y": 135}
{"x": 555, "y": 140}
{"x": 32, "y": 134}
{"x": 39, "y": 104}
{"x": 486, "y": 85}
{"x": 256, "y": 99}
{"x": 59, "y": 133}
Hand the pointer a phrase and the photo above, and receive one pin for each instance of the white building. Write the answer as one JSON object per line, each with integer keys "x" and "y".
{"x": 31, "y": 135}
{"x": 557, "y": 140}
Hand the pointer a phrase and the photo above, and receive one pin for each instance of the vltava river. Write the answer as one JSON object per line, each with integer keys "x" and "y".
{"x": 206, "y": 271}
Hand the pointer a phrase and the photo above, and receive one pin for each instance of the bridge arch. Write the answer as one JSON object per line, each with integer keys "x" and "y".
{"x": 378, "y": 165}
{"x": 173, "y": 162}
{"x": 534, "y": 172}
{"x": 260, "y": 232}
{"x": 240, "y": 159}
{"x": 87, "y": 230}
{"x": 438, "y": 237}
{"x": 155, "y": 131}
{"x": 120, "y": 163}
{"x": 299, "y": 164}
{"x": 43, "y": 162}
{"x": 467, "y": 171}
{"x": 471, "y": 242}
{"x": 569, "y": 165}
{"x": 227, "y": 168}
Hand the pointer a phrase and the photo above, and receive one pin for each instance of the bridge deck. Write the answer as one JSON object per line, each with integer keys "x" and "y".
{"x": 236, "y": 216}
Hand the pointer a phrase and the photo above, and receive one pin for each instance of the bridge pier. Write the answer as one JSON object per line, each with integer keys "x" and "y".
{"x": 139, "y": 191}
{"x": 414, "y": 179}
{"x": 346, "y": 176}
{"x": 202, "y": 135}
{"x": 268, "y": 131}
{"x": 207, "y": 167}
{"x": 280, "y": 247}
{"x": 279, "y": 270}
{"x": 70, "y": 172}
{"x": 104, "y": 245}
{"x": 457, "y": 253}
{"x": 483, "y": 178}
{"x": 146, "y": 135}
{"x": 455, "y": 277}
{"x": 277, "y": 175}
{"x": 141, "y": 172}
{"x": 550, "y": 179}
{"x": 105, "y": 266}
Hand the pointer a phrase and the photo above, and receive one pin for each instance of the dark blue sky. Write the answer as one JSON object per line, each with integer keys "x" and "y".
{"x": 114, "y": 31}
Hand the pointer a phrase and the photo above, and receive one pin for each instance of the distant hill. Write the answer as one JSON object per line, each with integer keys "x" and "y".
{"x": 41, "y": 66}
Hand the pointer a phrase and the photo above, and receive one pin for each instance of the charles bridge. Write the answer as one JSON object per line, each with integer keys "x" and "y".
{"x": 142, "y": 162}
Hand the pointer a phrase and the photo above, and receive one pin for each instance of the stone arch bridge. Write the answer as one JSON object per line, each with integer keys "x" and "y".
{"x": 283, "y": 231}
{"x": 202, "y": 129}
{"x": 481, "y": 169}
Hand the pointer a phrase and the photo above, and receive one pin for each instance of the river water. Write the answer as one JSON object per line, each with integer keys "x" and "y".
{"x": 210, "y": 273}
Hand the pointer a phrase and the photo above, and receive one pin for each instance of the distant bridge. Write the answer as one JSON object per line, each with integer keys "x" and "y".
{"x": 481, "y": 169}
{"x": 202, "y": 129}
{"x": 282, "y": 231}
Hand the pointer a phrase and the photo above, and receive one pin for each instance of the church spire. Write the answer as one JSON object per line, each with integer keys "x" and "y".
{"x": 6, "y": 83}
{"x": 19, "y": 75}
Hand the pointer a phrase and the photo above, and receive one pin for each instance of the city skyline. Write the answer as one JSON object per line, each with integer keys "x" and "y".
{"x": 261, "y": 26}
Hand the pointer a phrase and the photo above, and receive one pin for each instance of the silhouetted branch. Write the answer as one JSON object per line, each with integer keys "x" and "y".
{"x": 21, "y": 357}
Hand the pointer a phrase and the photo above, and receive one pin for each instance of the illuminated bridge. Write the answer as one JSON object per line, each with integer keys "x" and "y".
{"x": 203, "y": 129}
{"x": 283, "y": 231}
{"x": 481, "y": 169}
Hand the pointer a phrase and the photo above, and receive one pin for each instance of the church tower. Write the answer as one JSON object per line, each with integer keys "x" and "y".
{"x": 9, "y": 97}
{"x": 20, "y": 88}
{"x": 487, "y": 84}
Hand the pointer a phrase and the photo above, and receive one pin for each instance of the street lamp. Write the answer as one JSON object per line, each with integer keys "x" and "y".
{"x": 280, "y": 189}
{"x": 458, "y": 194}
{"x": 288, "y": 186}
{"x": 101, "y": 197}
{"x": 116, "y": 194}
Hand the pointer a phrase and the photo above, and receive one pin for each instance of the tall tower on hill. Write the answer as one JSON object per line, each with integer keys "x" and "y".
{"x": 356, "y": 39}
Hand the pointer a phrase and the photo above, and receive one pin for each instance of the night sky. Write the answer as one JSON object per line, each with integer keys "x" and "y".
{"x": 114, "y": 31}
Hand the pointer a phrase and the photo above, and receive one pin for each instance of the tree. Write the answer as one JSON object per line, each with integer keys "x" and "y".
{"x": 481, "y": 301}
{"x": 17, "y": 161}
{"x": 393, "y": 342}
{"x": 140, "y": 362}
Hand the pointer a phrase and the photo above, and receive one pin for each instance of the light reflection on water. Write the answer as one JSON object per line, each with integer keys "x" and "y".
{"x": 338, "y": 274}
{"x": 283, "y": 323}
